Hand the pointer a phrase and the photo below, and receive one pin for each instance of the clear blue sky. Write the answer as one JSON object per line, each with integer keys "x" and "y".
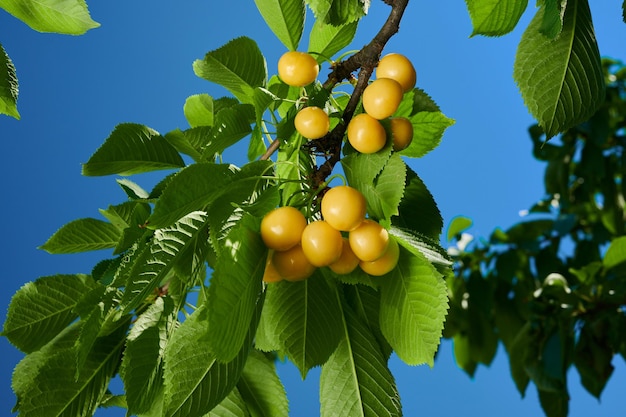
{"x": 137, "y": 68}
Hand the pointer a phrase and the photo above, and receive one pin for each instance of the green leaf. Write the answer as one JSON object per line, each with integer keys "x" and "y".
{"x": 380, "y": 177}
{"x": 418, "y": 210}
{"x": 495, "y": 17}
{"x": 9, "y": 88}
{"x": 82, "y": 235}
{"x": 261, "y": 388}
{"x": 152, "y": 266}
{"x": 424, "y": 246}
{"x": 326, "y": 40}
{"x": 285, "y": 18}
{"x": 142, "y": 365}
{"x": 69, "y": 17}
{"x": 457, "y": 226}
{"x": 592, "y": 357}
{"x": 616, "y": 253}
{"x": 41, "y": 309}
{"x": 355, "y": 381}
{"x": 561, "y": 80}
{"x": 338, "y": 12}
{"x": 238, "y": 66}
{"x": 45, "y": 381}
{"x": 198, "y": 110}
{"x": 195, "y": 382}
{"x": 233, "y": 405}
{"x": 132, "y": 190}
{"x": 192, "y": 189}
{"x": 132, "y": 149}
{"x": 413, "y": 307}
{"x": 235, "y": 288}
{"x": 306, "y": 320}
{"x": 554, "y": 404}
{"x": 231, "y": 125}
{"x": 428, "y": 129}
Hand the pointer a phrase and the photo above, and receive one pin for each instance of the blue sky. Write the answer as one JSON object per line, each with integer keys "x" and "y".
{"x": 137, "y": 68}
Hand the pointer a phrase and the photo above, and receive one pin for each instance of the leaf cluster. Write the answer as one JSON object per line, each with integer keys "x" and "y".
{"x": 552, "y": 288}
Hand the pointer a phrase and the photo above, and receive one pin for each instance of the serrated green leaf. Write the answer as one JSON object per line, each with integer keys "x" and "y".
{"x": 418, "y": 210}
{"x": 616, "y": 253}
{"x": 183, "y": 142}
{"x": 198, "y": 110}
{"x": 45, "y": 381}
{"x": 82, "y": 235}
{"x": 132, "y": 189}
{"x": 232, "y": 406}
{"x": 41, "y": 309}
{"x": 458, "y": 225}
{"x": 195, "y": 382}
{"x": 285, "y": 18}
{"x": 153, "y": 264}
{"x": 423, "y": 245}
{"x": 428, "y": 129}
{"x": 495, "y": 17}
{"x": 339, "y": 12}
{"x": 132, "y": 149}
{"x": 238, "y": 66}
{"x": 261, "y": 389}
{"x": 9, "y": 88}
{"x": 355, "y": 381}
{"x": 413, "y": 308}
{"x": 326, "y": 40}
{"x": 231, "y": 125}
{"x": 70, "y": 17}
{"x": 381, "y": 179}
{"x": 142, "y": 365}
{"x": 306, "y": 320}
{"x": 192, "y": 189}
{"x": 235, "y": 287}
{"x": 561, "y": 80}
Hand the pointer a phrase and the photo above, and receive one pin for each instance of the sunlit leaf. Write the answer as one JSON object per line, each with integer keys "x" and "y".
{"x": 495, "y": 17}
{"x": 560, "y": 79}
{"x": 132, "y": 149}
{"x": 616, "y": 253}
{"x": 82, "y": 235}
{"x": 326, "y": 40}
{"x": 8, "y": 86}
{"x": 70, "y": 17}
{"x": 261, "y": 387}
{"x": 285, "y": 18}
{"x": 458, "y": 225}
{"x": 41, "y": 309}
{"x": 198, "y": 110}
{"x": 339, "y": 12}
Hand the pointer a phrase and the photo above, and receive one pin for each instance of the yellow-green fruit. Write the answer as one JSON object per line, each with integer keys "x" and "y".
{"x": 399, "y": 68}
{"x": 344, "y": 207}
{"x": 347, "y": 262}
{"x": 297, "y": 69}
{"x": 321, "y": 243}
{"x": 281, "y": 228}
{"x": 369, "y": 241}
{"x": 382, "y": 97}
{"x": 292, "y": 264}
{"x": 271, "y": 275}
{"x": 401, "y": 133}
{"x": 385, "y": 263}
{"x": 312, "y": 122}
{"x": 366, "y": 134}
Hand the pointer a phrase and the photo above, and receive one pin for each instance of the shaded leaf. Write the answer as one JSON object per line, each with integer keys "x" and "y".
{"x": 70, "y": 17}
{"x": 616, "y": 253}
{"x": 458, "y": 225}
{"x": 552, "y": 23}
{"x": 261, "y": 388}
{"x": 41, "y": 309}
{"x": 132, "y": 149}
{"x": 82, "y": 235}
{"x": 560, "y": 80}
{"x": 285, "y": 18}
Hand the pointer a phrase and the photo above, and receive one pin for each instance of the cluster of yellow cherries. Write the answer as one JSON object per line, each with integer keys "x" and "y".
{"x": 344, "y": 239}
{"x": 395, "y": 75}
{"x": 298, "y": 248}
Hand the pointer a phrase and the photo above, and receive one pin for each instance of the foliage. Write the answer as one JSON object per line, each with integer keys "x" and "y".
{"x": 552, "y": 288}
{"x": 179, "y": 309}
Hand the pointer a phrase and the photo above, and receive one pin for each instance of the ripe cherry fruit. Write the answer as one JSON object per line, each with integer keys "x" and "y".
{"x": 344, "y": 207}
{"x": 297, "y": 69}
{"x": 281, "y": 228}
{"x": 399, "y": 68}
{"x": 312, "y": 122}
{"x": 366, "y": 134}
{"x": 369, "y": 241}
{"x": 401, "y": 133}
{"x": 382, "y": 97}
{"x": 321, "y": 243}
{"x": 347, "y": 262}
{"x": 292, "y": 264}
{"x": 385, "y": 263}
